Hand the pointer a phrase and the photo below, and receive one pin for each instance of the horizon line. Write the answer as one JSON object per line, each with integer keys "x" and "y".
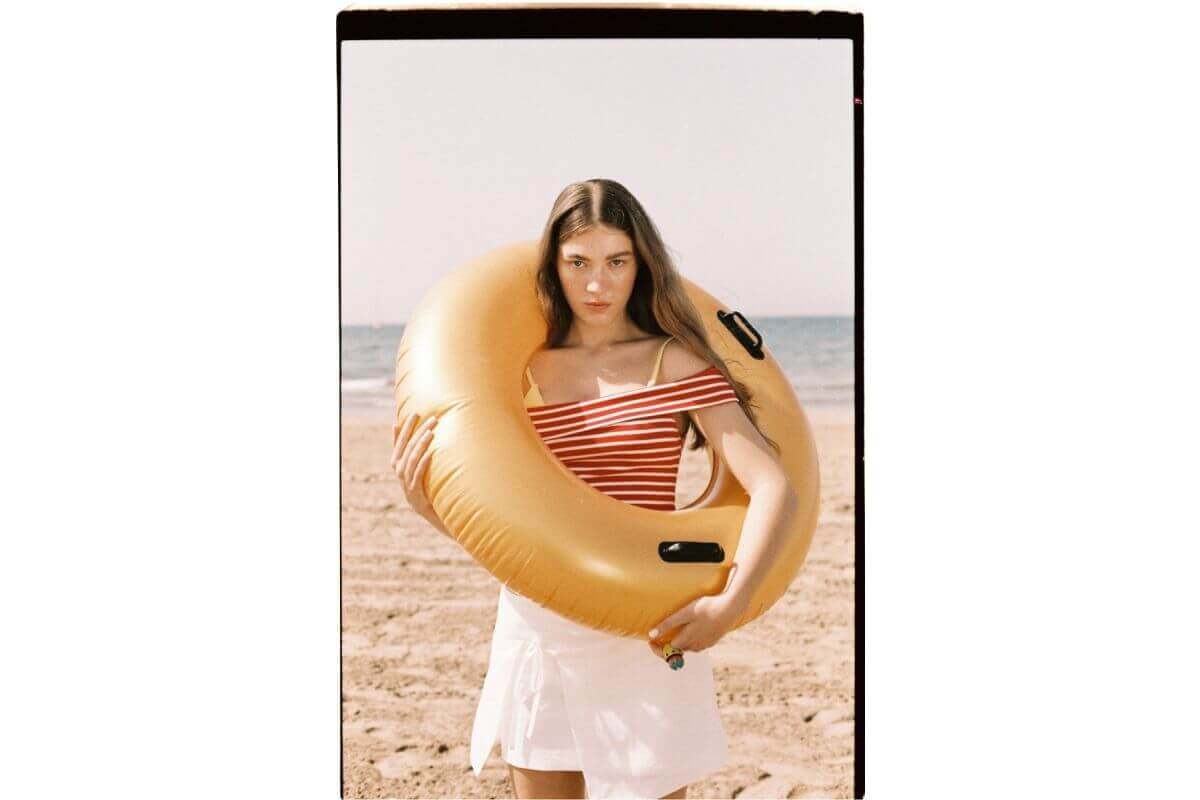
{"x": 751, "y": 316}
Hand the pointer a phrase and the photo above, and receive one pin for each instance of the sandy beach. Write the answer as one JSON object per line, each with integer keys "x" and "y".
{"x": 417, "y": 620}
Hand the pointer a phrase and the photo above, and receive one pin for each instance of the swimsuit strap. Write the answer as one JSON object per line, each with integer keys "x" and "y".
{"x": 533, "y": 395}
{"x": 533, "y": 387}
{"x": 658, "y": 361}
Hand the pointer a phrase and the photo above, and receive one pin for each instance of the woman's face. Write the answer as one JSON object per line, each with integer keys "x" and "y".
{"x": 596, "y": 267}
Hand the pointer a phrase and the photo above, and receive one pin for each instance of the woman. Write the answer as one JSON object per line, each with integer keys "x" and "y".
{"x": 578, "y": 712}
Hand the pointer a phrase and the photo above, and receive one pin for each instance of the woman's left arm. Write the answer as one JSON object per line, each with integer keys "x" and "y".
{"x": 773, "y": 502}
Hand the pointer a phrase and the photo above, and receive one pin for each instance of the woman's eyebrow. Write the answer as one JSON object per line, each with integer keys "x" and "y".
{"x": 582, "y": 257}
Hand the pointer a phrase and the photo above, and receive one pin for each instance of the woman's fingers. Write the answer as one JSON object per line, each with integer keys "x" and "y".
{"x": 400, "y": 435}
{"x": 416, "y": 447}
{"x": 410, "y": 457}
{"x": 658, "y": 650}
{"x": 422, "y": 465}
{"x": 404, "y": 435}
{"x": 415, "y": 450}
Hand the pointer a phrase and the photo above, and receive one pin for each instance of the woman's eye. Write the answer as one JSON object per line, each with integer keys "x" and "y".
{"x": 615, "y": 262}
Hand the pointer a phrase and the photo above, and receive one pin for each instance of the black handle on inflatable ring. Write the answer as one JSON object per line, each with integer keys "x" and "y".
{"x": 691, "y": 552}
{"x": 753, "y": 348}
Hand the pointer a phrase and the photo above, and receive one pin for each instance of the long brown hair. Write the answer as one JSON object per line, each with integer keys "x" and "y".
{"x": 659, "y": 303}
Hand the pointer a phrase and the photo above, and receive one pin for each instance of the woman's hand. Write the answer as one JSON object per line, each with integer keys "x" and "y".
{"x": 410, "y": 460}
{"x": 705, "y": 620}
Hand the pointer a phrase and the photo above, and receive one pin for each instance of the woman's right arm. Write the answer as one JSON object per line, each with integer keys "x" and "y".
{"x": 410, "y": 461}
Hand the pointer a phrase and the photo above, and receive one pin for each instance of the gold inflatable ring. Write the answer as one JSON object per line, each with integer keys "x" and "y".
{"x": 530, "y": 521}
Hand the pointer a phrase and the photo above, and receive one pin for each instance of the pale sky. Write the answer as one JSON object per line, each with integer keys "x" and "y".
{"x": 741, "y": 151}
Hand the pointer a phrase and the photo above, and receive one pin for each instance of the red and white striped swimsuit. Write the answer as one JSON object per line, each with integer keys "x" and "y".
{"x": 628, "y": 444}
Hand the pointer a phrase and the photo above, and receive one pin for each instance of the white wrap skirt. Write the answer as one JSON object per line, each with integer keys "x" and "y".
{"x": 563, "y": 696}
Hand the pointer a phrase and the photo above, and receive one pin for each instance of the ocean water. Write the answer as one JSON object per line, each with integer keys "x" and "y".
{"x": 816, "y": 353}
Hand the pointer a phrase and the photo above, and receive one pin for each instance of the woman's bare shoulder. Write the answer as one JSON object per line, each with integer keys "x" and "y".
{"x": 551, "y": 365}
{"x": 679, "y": 362}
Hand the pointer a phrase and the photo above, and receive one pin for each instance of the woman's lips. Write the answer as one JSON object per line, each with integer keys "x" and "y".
{"x": 597, "y": 305}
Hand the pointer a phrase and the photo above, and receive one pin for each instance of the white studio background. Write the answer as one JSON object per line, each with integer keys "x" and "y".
{"x": 170, "y": 574}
